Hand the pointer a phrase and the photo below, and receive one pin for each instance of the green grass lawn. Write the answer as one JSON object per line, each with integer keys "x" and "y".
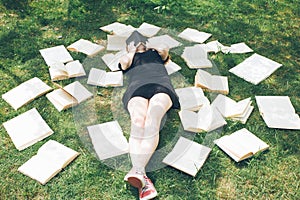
{"x": 270, "y": 28}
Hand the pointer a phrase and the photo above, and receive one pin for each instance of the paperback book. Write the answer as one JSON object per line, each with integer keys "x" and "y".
{"x": 27, "y": 129}
{"x": 50, "y": 159}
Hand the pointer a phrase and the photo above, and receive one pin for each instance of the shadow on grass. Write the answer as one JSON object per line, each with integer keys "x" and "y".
{"x": 20, "y": 6}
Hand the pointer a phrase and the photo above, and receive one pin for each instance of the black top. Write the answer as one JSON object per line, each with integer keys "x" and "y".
{"x": 148, "y": 68}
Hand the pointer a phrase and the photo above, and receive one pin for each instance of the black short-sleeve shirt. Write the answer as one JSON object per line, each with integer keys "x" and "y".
{"x": 148, "y": 68}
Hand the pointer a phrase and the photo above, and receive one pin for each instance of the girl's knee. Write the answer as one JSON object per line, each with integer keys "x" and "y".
{"x": 138, "y": 121}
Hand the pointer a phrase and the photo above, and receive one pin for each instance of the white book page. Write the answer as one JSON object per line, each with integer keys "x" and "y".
{"x": 278, "y": 112}
{"x": 27, "y": 129}
{"x": 196, "y": 57}
{"x": 238, "y": 48}
{"x": 108, "y": 139}
{"x": 164, "y": 39}
{"x": 75, "y": 69}
{"x": 148, "y": 30}
{"x": 116, "y": 43}
{"x": 58, "y": 71}
{"x": 117, "y": 28}
{"x": 255, "y": 68}
{"x": 61, "y": 99}
{"x": 114, "y": 79}
{"x": 232, "y": 148}
{"x": 112, "y": 60}
{"x": 189, "y": 120}
{"x": 39, "y": 168}
{"x": 203, "y": 79}
{"x": 108, "y": 59}
{"x": 194, "y": 35}
{"x": 209, "y": 118}
{"x": 58, "y": 153}
{"x": 225, "y": 105}
{"x": 187, "y": 156}
{"x": 242, "y": 106}
{"x": 282, "y": 121}
{"x": 230, "y": 108}
{"x": 220, "y": 84}
{"x": 249, "y": 141}
{"x": 114, "y": 27}
{"x": 172, "y": 67}
{"x": 84, "y": 46}
{"x": 191, "y": 98}
{"x": 57, "y": 54}
{"x": 26, "y": 92}
{"x": 214, "y": 46}
{"x": 244, "y": 117}
{"x": 78, "y": 91}
{"x": 49, "y": 161}
{"x": 96, "y": 77}
{"x": 274, "y": 104}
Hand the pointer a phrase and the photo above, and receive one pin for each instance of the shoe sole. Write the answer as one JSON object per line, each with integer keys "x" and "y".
{"x": 135, "y": 182}
{"x": 151, "y": 196}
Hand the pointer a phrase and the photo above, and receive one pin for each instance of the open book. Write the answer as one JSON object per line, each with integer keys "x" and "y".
{"x": 57, "y": 54}
{"x": 108, "y": 139}
{"x": 191, "y": 98}
{"x": 50, "y": 159}
{"x": 87, "y": 47}
{"x": 241, "y": 144}
{"x": 237, "y": 48}
{"x": 231, "y": 109}
{"x": 26, "y": 92}
{"x": 27, "y": 128}
{"x": 118, "y": 28}
{"x": 255, "y": 68}
{"x": 112, "y": 60}
{"x": 211, "y": 83}
{"x": 187, "y": 156}
{"x": 69, "y": 96}
{"x": 206, "y": 119}
{"x": 102, "y": 78}
{"x": 196, "y": 57}
{"x": 61, "y": 71}
{"x": 116, "y": 42}
{"x": 172, "y": 67}
{"x": 278, "y": 112}
{"x": 163, "y": 39}
{"x": 213, "y": 46}
{"x": 194, "y": 35}
{"x": 148, "y": 30}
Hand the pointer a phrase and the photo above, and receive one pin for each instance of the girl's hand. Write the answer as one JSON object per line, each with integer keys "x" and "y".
{"x": 131, "y": 48}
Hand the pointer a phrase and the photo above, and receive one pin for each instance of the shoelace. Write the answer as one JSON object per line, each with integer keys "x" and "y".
{"x": 147, "y": 183}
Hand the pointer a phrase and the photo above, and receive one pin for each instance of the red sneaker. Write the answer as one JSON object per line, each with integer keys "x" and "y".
{"x": 149, "y": 191}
